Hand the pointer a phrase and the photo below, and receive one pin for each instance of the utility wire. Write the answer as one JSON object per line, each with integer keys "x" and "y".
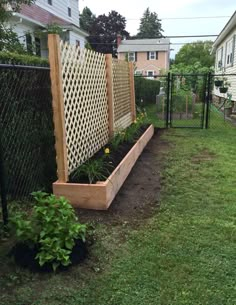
{"x": 184, "y": 18}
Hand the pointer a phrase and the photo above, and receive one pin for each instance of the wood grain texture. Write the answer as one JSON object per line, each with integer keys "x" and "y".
{"x": 99, "y": 196}
{"x": 58, "y": 106}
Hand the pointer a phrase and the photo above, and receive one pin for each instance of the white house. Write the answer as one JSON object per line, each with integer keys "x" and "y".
{"x": 31, "y": 22}
{"x": 225, "y": 62}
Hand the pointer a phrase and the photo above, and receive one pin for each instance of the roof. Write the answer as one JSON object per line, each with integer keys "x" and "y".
{"x": 41, "y": 16}
{"x": 230, "y": 25}
{"x": 144, "y": 45}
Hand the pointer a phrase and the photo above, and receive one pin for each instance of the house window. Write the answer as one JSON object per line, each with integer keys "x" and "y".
{"x": 229, "y": 52}
{"x": 29, "y": 45}
{"x": 77, "y": 43}
{"x": 152, "y": 55}
{"x": 131, "y": 56}
{"x": 150, "y": 74}
{"x": 37, "y": 46}
{"x": 138, "y": 72}
{"x": 50, "y": 2}
{"x": 219, "y": 61}
{"x": 69, "y": 11}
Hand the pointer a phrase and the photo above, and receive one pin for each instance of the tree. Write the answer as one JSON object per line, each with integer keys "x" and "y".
{"x": 150, "y": 26}
{"x": 192, "y": 53}
{"x": 87, "y": 18}
{"x": 8, "y": 39}
{"x": 104, "y": 31}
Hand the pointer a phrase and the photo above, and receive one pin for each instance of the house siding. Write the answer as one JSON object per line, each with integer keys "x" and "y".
{"x": 229, "y": 69}
{"x": 144, "y": 65}
{"x": 60, "y": 9}
{"x": 74, "y": 37}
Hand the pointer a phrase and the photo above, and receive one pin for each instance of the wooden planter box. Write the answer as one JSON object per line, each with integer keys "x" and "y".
{"x": 100, "y": 195}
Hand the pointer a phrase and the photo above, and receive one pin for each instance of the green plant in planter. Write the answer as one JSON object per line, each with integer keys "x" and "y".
{"x": 224, "y": 87}
{"x": 218, "y": 81}
{"x": 94, "y": 169}
{"x": 52, "y": 227}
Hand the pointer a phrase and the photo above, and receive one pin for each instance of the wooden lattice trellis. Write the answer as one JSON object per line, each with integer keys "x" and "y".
{"x": 93, "y": 96}
{"x": 121, "y": 94}
{"x": 85, "y": 103}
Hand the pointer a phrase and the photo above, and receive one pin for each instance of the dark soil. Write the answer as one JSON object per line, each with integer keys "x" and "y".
{"x": 113, "y": 159}
{"x": 139, "y": 197}
{"x": 25, "y": 256}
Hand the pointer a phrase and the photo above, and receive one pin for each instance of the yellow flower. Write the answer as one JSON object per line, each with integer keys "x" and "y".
{"x": 107, "y": 151}
{"x": 135, "y": 121}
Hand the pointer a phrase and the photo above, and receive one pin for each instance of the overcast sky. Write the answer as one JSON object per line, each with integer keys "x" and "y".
{"x": 133, "y": 10}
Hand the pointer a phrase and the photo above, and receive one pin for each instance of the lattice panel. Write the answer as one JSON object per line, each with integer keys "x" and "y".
{"x": 85, "y": 103}
{"x": 121, "y": 91}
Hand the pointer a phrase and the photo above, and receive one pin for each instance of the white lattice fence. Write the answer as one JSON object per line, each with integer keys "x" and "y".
{"x": 85, "y": 103}
{"x": 121, "y": 94}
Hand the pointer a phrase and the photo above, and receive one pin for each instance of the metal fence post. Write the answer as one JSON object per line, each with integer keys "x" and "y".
{"x": 208, "y": 100}
{"x": 3, "y": 187}
{"x": 168, "y": 99}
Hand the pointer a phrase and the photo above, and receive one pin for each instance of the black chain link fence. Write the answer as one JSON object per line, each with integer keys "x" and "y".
{"x": 26, "y": 130}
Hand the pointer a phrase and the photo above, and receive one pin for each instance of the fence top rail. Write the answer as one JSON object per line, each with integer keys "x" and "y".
{"x": 8, "y": 66}
{"x": 153, "y": 76}
{"x": 224, "y": 74}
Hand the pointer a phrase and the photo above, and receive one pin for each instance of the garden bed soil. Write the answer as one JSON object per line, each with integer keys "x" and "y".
{"x": 100, "y": 195}
{"x": 139, "y": 197}
{"x": 24, "y": 256}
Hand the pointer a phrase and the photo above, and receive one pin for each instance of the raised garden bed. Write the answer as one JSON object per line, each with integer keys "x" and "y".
{"x": 100, "y": 195}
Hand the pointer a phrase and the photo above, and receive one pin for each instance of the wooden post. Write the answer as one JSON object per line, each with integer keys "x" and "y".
{"x": 110, "y": 95}
{"x": 58, "y": 106}
{"x": 132, "y": 91}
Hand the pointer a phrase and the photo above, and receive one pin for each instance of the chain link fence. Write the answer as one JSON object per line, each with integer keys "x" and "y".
{"x": 26, "y": 130}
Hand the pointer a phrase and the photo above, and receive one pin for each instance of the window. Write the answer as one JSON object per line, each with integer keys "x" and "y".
{"x": 77, "y": 43}
{"x": 219, "y": 61}
{"x": 69, "y": 11}
{"x": 229, "y": 52}
{"x": 153, "y": 55}
{"x": 29, "y": 45}
{"x": 138, "y": 72}
{"x": 37, "y": 46}
{"x": 50, "y": 2}
{"x": 131, "y": 56}
{"x": 150, "y": 74}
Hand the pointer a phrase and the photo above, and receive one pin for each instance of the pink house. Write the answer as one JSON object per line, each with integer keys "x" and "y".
{"x": 151, "y": 56}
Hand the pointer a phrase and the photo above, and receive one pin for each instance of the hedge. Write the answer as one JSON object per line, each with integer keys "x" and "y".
{"x": 146, "y": 90}
{"x": 22, "y": 59}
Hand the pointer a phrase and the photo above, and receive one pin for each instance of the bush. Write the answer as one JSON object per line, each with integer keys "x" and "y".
{"x": 22, "y": 59}
{"x": 146, "y": 90}
{"x": 52, "y": 227}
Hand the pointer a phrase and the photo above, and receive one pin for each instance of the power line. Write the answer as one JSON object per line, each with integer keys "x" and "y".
{"x": 176, "y": 36}
{"x": 184, "y": 18}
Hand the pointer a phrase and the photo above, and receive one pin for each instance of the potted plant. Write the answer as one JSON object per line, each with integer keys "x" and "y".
{"x": 50, "y": 236}
{"x": 225, "y": 86}
{"x": 218, "y": 82}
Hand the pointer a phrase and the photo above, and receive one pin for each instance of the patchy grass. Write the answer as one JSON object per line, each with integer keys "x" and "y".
{"x": 184, "y": 254}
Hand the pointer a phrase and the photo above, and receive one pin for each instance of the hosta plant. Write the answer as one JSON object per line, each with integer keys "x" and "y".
{"x": 52, "y": 227}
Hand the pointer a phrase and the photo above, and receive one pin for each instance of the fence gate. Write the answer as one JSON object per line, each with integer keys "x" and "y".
{"x": 187, "y": 100}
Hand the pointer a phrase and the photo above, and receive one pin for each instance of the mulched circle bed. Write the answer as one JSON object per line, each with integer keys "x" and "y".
{"x": 24, "y": 256}
{"x": 113, "y": 159}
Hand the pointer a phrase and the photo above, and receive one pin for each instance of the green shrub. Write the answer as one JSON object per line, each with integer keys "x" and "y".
{"x": 146, "y": 90}
{"x": 52, "y": 226}
{"x": 22, "y": 59}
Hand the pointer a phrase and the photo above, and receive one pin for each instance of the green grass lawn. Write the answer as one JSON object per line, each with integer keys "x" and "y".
{"x": 184, "y": 254}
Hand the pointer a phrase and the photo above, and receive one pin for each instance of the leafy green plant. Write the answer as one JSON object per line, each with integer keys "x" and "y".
{"x": 52, "y": 227}
{"x": 94, "y": 169}
{"x": 23, "y": 59}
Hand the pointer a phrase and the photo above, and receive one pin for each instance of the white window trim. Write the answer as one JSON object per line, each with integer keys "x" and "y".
{"x": 221, "y": 49}
{"x": 138, "y": 72}
{"x": 133, "y": 55}
{"x": 153, "y": 74}
{"x": 229, "y": 51}
{"x": 155, "y": 55}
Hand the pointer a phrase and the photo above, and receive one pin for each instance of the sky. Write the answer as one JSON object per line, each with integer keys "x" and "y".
{"x": 133, "y": 10}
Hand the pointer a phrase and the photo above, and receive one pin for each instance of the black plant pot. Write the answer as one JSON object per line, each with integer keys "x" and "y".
{"x": 223, "y": 89}
{"x": 218, "y": 83}
{"x": 24, "y": 256}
